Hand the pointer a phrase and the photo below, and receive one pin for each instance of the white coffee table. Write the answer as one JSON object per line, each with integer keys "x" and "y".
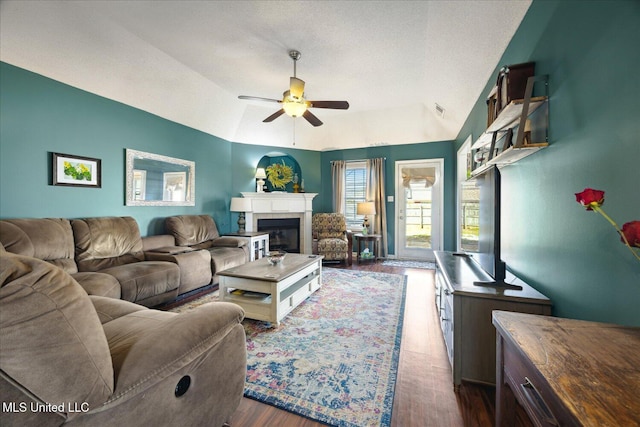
{"x": 267, "y": 292}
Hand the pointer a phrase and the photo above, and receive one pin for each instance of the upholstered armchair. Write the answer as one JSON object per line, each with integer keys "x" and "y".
{"x": 331, "y": 237}
{"x": 68, "y": 358}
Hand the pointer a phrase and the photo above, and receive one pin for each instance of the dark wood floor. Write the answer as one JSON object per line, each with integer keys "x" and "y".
{"x": 424, "y": 393}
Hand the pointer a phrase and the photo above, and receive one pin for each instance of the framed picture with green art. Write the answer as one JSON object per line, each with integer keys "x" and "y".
{"x": 76, "y": 171}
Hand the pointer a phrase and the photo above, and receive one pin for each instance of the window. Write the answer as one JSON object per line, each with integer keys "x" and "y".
{"x": 354, "y": 192}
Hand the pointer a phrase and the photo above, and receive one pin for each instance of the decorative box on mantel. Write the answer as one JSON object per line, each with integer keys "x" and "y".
{"x": 283, "y": 205}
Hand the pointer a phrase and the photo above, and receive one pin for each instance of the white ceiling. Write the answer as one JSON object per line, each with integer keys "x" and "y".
{"x": 187, "y": 61}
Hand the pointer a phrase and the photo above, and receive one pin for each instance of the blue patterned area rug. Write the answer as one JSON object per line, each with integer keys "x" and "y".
{"x": 333, "y": 359}
{"x": 409, "y": 263}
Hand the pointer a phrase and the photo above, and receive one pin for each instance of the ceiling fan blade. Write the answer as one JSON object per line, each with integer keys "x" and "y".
{"x": 336, "y": 105}
{"x": 274, "y": 116}
{"x": 257, "y": 98}
{"x": 296, "y": 87}
{"x": 312, "y": 119}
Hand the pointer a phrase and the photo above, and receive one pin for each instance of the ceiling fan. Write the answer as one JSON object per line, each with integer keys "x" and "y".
{"x": 293, "y": 101}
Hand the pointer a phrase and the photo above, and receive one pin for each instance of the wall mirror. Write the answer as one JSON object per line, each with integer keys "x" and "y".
{"x": 156, "y": 180}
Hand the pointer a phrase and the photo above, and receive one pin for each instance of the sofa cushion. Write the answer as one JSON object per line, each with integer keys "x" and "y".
{"x": 98, "y": 284}
{"x": 189, "y": 230}
{"x": 106, "y": 242}
{"x": 141, "y": 282}
{"x": 52, "y": 340}
{"x": 48, "y": 239}
{"x": 109, "y": 309}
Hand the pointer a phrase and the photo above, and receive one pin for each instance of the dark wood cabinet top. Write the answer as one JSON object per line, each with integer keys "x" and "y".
{"x": 592, "y": 368}
{"x": 461, "y": 272}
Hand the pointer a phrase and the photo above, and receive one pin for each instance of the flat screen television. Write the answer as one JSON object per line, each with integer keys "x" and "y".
{"x": 480, "y": 227}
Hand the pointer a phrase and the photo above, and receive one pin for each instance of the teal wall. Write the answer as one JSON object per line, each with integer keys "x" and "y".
{"x": 40, "y": 116}
{"x": 392, "y": 153}
{"x": 245, "y": 158}
{"x": 590, "y": 52}
{"x": 589, "y": 49}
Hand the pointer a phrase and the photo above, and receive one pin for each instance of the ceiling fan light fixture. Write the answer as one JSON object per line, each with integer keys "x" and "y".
{"x": 293, "y": 101}
{"x": 292, "y": 106}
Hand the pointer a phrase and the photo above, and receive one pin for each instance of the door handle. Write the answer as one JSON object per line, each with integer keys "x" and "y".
{"x": 400, "y": 217}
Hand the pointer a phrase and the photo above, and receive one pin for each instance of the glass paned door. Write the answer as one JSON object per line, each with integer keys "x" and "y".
{"x": 418, "y": 208}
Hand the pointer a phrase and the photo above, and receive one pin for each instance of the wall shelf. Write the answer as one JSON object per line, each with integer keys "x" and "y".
{"x": 507, "y": 140}
{"x": 513, "y": 154}
{"x": 507, "y": 119}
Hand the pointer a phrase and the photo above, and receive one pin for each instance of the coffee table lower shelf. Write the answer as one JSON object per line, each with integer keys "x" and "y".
{"x": 270, "y": 299}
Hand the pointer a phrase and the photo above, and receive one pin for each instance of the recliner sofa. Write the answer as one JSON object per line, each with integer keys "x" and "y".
{"x": 113, "y": 245}
{"x": 68, "y": 358}
{"x": 103, "y": 254}
{"x": 51, "y": 240}
{"x": 201, "y": 232}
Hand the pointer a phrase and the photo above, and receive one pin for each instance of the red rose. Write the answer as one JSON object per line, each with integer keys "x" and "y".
{"x": 631, "y": 231}
{"x": 590, "y": 198}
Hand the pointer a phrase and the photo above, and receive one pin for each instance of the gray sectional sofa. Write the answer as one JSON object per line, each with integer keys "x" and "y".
{"x": 108, "y": 257}
{"x": 76, "y": 330}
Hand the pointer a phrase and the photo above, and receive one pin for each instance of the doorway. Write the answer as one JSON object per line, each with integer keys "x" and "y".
{"x": 418, "y": 224}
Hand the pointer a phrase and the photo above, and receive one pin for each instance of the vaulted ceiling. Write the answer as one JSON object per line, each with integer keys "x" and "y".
{"x": 188, "y": 61}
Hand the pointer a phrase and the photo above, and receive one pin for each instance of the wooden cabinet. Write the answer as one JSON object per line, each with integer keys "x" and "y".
{"x": 257, "y": 241}
{"x": 520, "y": 130}
{"x": 465, "y": 314}
{"x": 566, "y": 372}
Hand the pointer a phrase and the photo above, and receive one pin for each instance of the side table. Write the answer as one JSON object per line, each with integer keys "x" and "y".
{"x": 258, "y": 242}
{"x": 363, "y": 240}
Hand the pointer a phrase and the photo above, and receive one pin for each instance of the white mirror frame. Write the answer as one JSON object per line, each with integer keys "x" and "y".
{"x": 191, "y": 179}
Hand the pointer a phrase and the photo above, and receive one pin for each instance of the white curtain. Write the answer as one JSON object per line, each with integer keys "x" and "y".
{"x": 376, "y": 194}
{"x": 418, "y": 176}
{"x": 338, "y": 171}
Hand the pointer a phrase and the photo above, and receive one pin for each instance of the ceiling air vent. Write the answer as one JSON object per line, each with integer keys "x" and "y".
{"x": 439, "y": 110}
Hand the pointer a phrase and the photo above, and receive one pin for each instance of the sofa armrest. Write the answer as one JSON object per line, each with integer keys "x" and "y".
{"x": 170, "y": 342}
{"x": 228, "y": 242}
{"x": 186, "y": 369}
{"x": 150, "y": 243}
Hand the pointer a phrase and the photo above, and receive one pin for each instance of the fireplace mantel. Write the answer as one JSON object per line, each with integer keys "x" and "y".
{"x": 283, "y": 205}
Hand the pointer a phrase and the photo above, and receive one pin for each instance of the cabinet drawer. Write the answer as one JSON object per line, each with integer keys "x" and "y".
{"x": 532, "y": 391}
{"x": 291, "y": 301}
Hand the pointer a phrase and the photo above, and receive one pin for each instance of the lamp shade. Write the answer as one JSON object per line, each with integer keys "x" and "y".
{"x": 261, "y": 174}
{"x": 240, "y": 204}
{"x": 366, "y": 208}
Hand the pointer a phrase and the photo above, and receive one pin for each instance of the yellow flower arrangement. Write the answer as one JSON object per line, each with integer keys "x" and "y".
{"x": 279, "y": 175}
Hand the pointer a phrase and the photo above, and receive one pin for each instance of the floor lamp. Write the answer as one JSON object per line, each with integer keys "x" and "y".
{"x": 366, "y": 208}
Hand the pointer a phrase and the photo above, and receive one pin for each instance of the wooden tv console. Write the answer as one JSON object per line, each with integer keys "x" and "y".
{"x": 465, "y": 313}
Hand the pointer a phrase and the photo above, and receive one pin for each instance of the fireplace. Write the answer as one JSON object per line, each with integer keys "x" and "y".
{"x": 280, "y": 205}
{"x": 284, "y": 233}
